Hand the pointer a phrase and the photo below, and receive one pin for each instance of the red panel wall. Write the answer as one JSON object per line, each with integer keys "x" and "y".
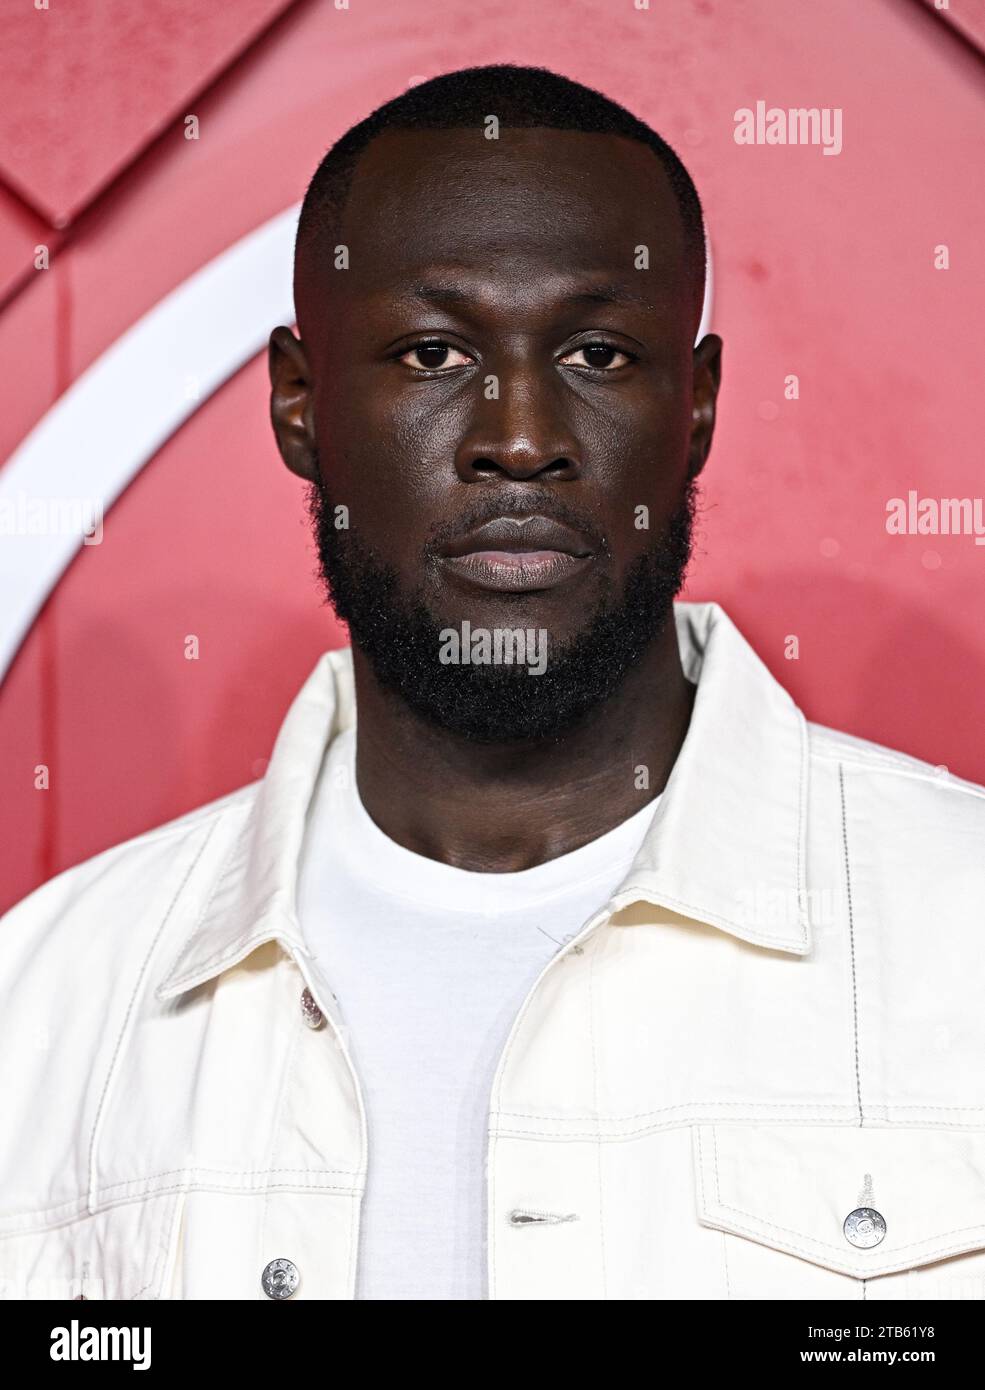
{"x": 824, "y": 269}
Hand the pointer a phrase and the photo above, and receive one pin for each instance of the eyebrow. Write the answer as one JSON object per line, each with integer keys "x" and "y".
{"x": 612, "y": 293}
{"x": 438, "y": 293}
{"x": 609, "y": 294}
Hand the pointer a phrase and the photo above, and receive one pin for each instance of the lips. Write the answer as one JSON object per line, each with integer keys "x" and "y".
{"x": 518, "y": 554}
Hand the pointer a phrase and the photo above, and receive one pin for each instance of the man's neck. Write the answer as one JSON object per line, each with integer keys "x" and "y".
{"x": 498, "y": 808}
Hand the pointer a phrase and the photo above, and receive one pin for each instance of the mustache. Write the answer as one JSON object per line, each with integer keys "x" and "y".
{"x": 516, "y": 503}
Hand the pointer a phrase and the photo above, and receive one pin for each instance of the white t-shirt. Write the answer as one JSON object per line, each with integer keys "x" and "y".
{"x": 429, "y": 965}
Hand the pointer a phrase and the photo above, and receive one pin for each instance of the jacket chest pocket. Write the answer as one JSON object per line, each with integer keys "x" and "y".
{"x": 121, "y": 1252}
{"x": 844, "y": 1213}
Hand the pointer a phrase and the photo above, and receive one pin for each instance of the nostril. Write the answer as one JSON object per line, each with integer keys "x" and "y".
{"x": 516, "y": 463}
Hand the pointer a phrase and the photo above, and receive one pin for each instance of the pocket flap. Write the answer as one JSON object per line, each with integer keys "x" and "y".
{"x": 792, "y": 1187}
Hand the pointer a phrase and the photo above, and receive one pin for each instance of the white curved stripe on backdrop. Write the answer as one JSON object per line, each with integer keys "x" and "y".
{"x": 111, "y": 421}
{"x": 85, "y": 451}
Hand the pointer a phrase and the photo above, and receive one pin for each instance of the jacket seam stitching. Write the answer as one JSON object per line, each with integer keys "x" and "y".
{"x": 851, "y": 944}
{"x": 691, "y": 1105}
{"x": 577, "y": 1136}
{"x": 223, "y": 1172}
{"x": 174, "y": 1246}
{"x": 278, "y": 1121}
{"x": 83, "y": 1213}
{"x": 877, "y": 765}
{"x": 802, "y": 827}
{"x": 124, "y": 1028}
{"x": 77, "y": 1204}
{"x": 163, "y": 1242}
{"x": 731, "y": 1104}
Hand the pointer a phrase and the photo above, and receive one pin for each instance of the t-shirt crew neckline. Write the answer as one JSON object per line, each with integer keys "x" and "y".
{"x": 401, "y": 873}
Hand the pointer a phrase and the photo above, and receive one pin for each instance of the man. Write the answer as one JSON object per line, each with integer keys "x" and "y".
{"x": 582, "y": 967}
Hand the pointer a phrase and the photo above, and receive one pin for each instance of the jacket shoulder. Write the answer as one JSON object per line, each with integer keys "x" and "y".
{"x": 906, "y": 840}
{"x": 74, "y": 962}
{"x": 109, "y": 892}
{"x": 861, "y": 755}
{"x": 913, "y": 832}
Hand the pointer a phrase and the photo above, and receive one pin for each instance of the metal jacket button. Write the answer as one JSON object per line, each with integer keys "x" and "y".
{"x": 864, "y": 1227}
{"x": 310, "y": 1011}
{"x": 280, "y": 1278}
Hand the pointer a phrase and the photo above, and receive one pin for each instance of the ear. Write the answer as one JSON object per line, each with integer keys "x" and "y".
{"x": 291, "y": 412}
{"x": 707, "y": 379}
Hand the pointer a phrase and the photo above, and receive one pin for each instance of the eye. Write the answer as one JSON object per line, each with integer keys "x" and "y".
{"x": 434, "y": 356}
{"x": 598, "y": 357}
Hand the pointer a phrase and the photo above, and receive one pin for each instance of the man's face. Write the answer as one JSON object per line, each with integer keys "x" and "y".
{"x": 503, "y": 392}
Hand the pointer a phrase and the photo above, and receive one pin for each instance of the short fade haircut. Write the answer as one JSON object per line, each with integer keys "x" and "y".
{"x": 517, "y": 96}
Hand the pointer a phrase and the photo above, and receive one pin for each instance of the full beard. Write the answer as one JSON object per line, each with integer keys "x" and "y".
{"x": 401, "y": 636}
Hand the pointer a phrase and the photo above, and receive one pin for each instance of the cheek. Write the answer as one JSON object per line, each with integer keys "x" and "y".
{"x": 641, "y": 476}
{"x": 392, "y": 466}
{"x": 641, "y": 428}
{"x": 408, "y": 435}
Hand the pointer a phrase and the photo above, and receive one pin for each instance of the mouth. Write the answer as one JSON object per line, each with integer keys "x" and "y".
{"x": 518, "y": 555}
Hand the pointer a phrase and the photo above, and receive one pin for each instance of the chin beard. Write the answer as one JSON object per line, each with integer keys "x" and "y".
{"x": 498, "y": 704}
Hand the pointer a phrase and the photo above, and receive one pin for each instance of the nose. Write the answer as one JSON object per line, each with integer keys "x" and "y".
{"x": 519, "y": 429}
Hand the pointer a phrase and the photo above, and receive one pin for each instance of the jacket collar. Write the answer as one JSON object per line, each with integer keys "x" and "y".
{"x": 255, "y": 896}
{"x": 727, "y": 835}
{"x": 727, "y": 845}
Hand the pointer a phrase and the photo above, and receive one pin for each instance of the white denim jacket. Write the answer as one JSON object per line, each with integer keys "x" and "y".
{"x": 758, "y": 1072}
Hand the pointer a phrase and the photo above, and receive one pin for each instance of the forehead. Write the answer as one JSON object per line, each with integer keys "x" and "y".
{"x": 546, "y": 200}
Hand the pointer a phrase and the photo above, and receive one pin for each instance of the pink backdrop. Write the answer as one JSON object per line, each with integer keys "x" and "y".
{"x": 824, "y": 269}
